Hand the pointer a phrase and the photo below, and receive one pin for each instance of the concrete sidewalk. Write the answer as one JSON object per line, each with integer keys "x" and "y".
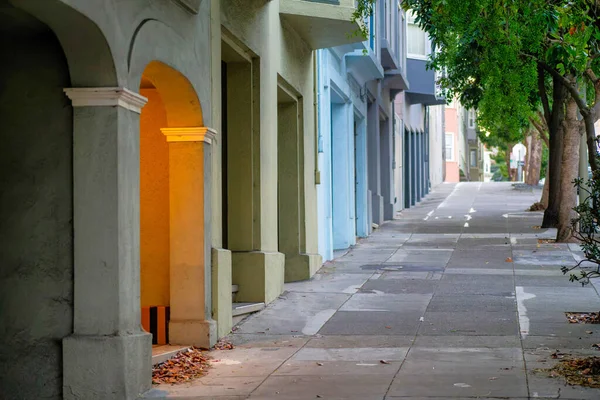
{"x": 455, "y": 299}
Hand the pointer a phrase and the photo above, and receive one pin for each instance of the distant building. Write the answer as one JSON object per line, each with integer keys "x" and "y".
{"x": 379, "y": 140}
{"x": 466, "y": 158}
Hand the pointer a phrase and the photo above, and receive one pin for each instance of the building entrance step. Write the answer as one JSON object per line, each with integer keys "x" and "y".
{"x": 161, "y": 353}
{"x": 242, "y": 310}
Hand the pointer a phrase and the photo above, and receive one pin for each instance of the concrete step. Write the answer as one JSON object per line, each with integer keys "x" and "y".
{"x": 243, "y": 310}
{"x": 161, "y": 353}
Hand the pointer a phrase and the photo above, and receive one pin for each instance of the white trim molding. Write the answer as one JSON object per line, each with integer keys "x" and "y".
{"x": 192, "y": 134}
{"x": 106, "y": 97}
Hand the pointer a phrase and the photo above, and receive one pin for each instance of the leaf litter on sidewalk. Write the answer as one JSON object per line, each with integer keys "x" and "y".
{"x": 187, "y": 365}
{"x": 583, "y": 317}
{"x": 577, "y": 371}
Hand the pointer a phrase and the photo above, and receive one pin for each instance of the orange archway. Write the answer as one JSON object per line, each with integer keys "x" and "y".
{"x": 174, "y": 256}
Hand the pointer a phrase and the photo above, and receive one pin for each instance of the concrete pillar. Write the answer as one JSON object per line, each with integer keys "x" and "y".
{"x": 406, "y": 167}
{"x": 190, "y": 243}
{"x": 108, "y": 356}
{"x": 221, "y": 258}
{"x": 387, "y": 185}
{"x": 424, "y": 173}
{"x": 419, "y": 157}
{"x": 325, "y": 225}
{"x": 257, "y": 267}
{"x": 413, "y": 168}
{"x": 259, "y": 270}
{"x": 427, "y": 164}
{"x": 422, "y": 168}
{"x": 362, "y": 208}
{"x": 342, "y": 184}
{"x": 374, "y": 147}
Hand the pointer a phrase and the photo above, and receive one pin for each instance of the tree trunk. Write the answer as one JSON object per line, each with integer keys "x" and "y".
{"x": 545, "y": 191}
{"x": 509, "y": 147}
{"x": 534, "y": 160}
{"x": 555, "y": 131}
{"x": 590, "y": 130}
{"x": 553, "y": 178}
{"x": 569, "y": 172}
{"x": 528, "y": 146}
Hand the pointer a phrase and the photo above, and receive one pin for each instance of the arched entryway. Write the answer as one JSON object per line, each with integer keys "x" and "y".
{"x": 68, "y": 219}
{"x": 174, "y": 211}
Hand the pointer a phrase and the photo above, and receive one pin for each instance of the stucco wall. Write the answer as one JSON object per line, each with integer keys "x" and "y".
{"x": 436, "y": 143}
{"x": 452, "y": 169}
{"x": 154, "y": 202}
{"x": 283, "y": 55}
{"x": 36, "y": 267}
{"x": 452, "y": 173}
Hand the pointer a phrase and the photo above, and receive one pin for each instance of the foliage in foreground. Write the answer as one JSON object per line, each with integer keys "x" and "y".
{"x": 587, "y": 231}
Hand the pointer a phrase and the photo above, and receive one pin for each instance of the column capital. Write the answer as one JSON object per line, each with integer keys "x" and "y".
{"x": 106, "y": 97}
{"x": 190, "y": 134}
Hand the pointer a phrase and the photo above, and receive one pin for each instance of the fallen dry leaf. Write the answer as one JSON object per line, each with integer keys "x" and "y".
{"x": 546, "y": 241}
{"x": 224, "y": 345}
{"x": 583, "y": 317}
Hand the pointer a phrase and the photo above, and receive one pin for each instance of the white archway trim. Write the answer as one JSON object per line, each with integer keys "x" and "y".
{"x": 106, "y": 97}
{"x": 193, "y": 134}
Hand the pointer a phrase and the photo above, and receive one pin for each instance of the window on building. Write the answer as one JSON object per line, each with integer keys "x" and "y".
{"x": 473, "y": 158}
{"x": 372, "y": 31}
{"x": 472, "y": 119}
{"x": 416, "y": 37}
{"x": 449, "y": 146}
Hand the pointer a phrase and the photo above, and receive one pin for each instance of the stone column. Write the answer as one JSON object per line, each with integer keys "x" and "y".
{"x": 406, "y": 166}
{"x": 190, "y": 272}
{"x": 221, "y": 257}
{"x": 108, "y": 356}
{"x": 424, "y": 164}
{"x": 427, "y": 163}
{"x": 419, "y": 170}
{"x": 413, "y": 166}
{"x": 341, "y": 181}
{"x": 387, "y": 176}
{"x": 374, "y": 162}
{"x": 362, "y": 193}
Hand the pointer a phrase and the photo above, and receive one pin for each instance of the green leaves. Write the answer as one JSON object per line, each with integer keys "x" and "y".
{"x": 489, "y": 50}
{"x": 362, "y": 13}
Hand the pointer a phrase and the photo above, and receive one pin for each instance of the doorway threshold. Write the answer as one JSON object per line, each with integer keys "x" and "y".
{"x": 161, "y": 353}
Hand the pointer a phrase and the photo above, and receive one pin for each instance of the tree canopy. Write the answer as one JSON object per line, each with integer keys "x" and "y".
{"x": 492, "y": 53}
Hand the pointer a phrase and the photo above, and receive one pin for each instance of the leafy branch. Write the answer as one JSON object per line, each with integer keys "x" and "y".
{"x": 364, "y": 11}
{"x": 588, "y": 217}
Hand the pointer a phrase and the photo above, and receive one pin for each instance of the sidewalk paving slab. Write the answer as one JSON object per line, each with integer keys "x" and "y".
{"x": 454, "y": 299}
